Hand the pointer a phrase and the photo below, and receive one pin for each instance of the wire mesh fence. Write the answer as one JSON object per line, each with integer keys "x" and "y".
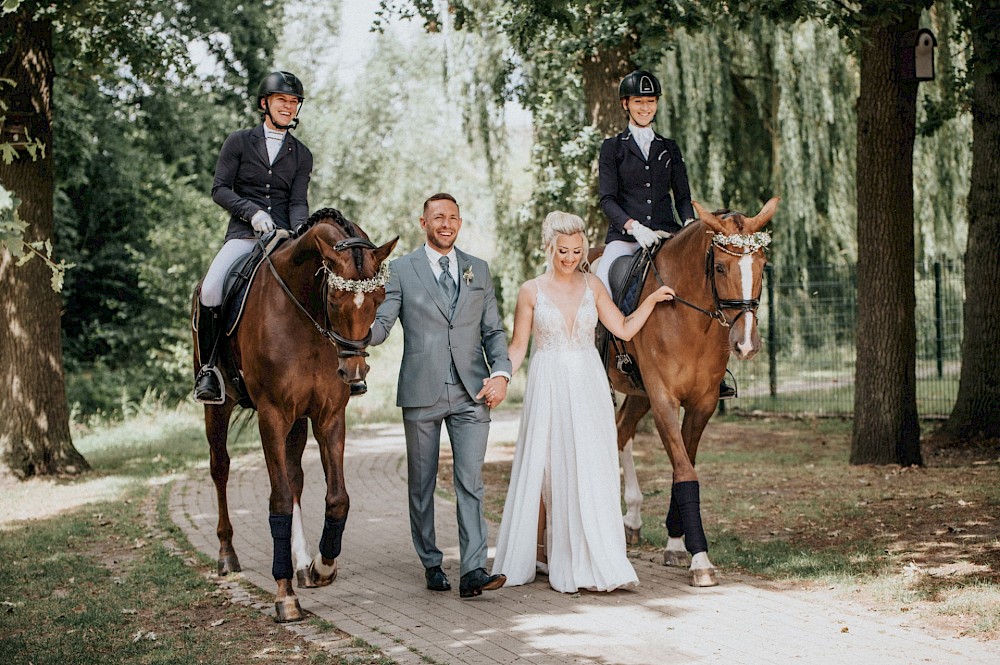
{"x": 807, "y": 326}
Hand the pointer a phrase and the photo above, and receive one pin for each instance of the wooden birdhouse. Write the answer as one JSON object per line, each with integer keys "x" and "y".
{"x": 916, "y": 55}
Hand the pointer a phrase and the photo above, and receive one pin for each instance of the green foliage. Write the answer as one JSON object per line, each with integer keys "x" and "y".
{"x": 387, "y": 140}
{"x": 760, "y": 96}
{"x": 137, "y": 133}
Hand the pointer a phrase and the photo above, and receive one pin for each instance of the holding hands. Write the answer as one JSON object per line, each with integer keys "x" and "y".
{"x": 494, "y": 391}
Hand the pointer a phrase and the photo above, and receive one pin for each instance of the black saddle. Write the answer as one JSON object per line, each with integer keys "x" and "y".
{"x": 627, "y": 275}
{"x": 240, "y": 276}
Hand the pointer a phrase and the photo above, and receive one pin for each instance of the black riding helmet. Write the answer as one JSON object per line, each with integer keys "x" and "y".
{"x": 639, "y": 83}
{"x": 284, "y": 83}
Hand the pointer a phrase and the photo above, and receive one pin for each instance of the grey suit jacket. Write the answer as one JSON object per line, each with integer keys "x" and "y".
{"x": 474, "y": 337}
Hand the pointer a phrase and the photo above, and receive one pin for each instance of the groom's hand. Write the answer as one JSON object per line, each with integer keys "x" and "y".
{"x": 494, "y": 391}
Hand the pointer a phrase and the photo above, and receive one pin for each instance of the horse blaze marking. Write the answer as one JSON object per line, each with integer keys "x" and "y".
{"x": 746, "y": 275}
{"x": 359, "y": 299}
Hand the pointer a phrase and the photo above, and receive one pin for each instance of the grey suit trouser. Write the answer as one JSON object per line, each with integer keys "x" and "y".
{"x": 468, "y": 426}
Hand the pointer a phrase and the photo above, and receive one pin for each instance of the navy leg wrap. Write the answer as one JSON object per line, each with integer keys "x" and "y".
{"x": 688, "y": 498}
{"x": 333, "y": 531}
{"x": 281, "y": 532}
{"x": 675, "y": 527}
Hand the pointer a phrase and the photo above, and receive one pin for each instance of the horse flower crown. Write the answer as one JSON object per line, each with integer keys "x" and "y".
{"x": 359, "y": 286}
{"x": 748, "y": 243}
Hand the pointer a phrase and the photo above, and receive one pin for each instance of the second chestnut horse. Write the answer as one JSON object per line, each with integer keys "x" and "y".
{"x": 715, "y": 266}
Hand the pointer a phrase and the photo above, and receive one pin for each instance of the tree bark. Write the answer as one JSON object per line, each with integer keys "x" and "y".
{"x": 602, "y": 72}
{"x": 886, "y": 428}
{"x": 34, "y": 426}
{"x": 976, "y": 414}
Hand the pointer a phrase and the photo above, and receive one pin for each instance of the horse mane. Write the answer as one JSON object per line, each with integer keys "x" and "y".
{"x": 338, "y": 219}
{"x": 332, "y": 214}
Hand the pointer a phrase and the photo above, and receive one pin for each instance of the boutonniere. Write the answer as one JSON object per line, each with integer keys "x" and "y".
{"x": 467, "y": 276}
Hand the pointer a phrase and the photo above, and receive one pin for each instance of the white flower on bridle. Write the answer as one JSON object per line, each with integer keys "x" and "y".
{"x": 749, "y": 243}
{"x": 357, "y": 286}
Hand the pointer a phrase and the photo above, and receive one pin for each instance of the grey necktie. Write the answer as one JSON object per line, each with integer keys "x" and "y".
{"x": 446, "y": 281}
{"x": 450, "y": 292}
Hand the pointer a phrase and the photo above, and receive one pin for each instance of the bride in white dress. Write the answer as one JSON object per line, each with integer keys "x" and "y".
{"x": 563, "y": 499}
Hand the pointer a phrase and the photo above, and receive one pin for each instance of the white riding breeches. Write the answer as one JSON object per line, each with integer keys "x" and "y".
{"x": 211, "y": 288}
{"x": 612, "y": 251}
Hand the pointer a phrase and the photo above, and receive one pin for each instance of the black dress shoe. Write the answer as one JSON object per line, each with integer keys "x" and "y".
{"x": 476, "y": 581}
{"x": 726, "y": 391}
{"x": 436, "y": 579}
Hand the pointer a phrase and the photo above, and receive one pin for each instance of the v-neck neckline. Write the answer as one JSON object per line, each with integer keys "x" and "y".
{"x": 569, "y": 329}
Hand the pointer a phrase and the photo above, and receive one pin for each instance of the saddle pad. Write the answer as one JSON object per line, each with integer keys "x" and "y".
{"x": 240, "y": 276}
{"x": 628, "y": 273}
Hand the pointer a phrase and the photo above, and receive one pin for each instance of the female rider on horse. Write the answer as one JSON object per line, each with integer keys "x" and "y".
{"x": 261, "y": 179}
{"x": 642, "y": 180}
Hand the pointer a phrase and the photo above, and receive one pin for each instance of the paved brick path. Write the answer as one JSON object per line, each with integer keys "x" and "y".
{"x": 379, "y": 595}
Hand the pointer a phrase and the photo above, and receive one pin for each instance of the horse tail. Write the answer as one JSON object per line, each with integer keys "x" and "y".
{"x": 241, "y": 421}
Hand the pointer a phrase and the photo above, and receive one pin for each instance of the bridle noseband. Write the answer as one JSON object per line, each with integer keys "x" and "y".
{"x": 346, "y": 347}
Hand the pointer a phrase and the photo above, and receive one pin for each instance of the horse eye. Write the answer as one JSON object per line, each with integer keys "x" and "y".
{"x": 719, "y": 268}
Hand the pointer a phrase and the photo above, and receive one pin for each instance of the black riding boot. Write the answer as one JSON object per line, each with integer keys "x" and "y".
{"x": 208, "y": 387}
{"x": 726, "y": 391}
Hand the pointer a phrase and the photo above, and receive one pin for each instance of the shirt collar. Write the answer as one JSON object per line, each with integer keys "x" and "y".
{"x": 277, "y": 134}
{"x": 434, "y": 256}
{"x": 641, "y": 132}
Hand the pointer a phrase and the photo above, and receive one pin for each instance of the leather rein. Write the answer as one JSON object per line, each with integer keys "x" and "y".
{"x": 346, "y": 348}
{"x": 720, "y": 303}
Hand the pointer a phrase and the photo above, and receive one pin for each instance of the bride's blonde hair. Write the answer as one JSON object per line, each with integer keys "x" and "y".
{"x": 559, "y": 223}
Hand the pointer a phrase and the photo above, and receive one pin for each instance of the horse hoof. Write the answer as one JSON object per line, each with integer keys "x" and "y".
{"x": 633, "y": 536}
{"x": 702, "y": 577}
{"x": 304, "y": 579}
{"x": 310, "y": 578}
{"x": 288, "y": 609}
{"x": 681, "y": 559}
{"x": 228, "y": 564}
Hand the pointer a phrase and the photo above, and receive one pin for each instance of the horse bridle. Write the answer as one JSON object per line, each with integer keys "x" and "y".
{"x": 346, "y": 347}
{"x": 721, "y": 304}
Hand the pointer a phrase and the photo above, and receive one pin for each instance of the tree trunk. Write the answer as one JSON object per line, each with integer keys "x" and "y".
{"x": 34, "y": 426}
{"x": 602, "y": 72}
{"x": 976, "y": 413}
{"x": 886, "y": 429}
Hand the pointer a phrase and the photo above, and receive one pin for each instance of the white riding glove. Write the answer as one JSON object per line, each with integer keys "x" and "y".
{"x": 262, "y": 222}
{"x": 644, "y": 235}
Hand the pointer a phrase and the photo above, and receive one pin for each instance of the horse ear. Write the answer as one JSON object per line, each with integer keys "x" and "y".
{"x": 325, "y": 250}
{"x": 708, "y": 219}
{"x": 383, "y": 252}
{"x": 764, "y": 216}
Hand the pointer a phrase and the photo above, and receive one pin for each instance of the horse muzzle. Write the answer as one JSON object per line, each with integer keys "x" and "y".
{"x": 744, "y": 341}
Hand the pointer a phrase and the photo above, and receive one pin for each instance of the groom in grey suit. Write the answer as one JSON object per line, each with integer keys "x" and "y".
{"x": 454, "y": 370}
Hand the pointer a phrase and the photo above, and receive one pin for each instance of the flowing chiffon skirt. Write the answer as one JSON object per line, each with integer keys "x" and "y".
{"x": 567, "y": 452}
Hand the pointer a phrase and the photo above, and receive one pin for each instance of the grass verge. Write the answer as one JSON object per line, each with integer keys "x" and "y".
{"x": 115, "y": 581}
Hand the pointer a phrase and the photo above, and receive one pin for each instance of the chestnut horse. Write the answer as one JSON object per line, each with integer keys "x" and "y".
{"x": 299, "y": 345}
{"x": 715, "y": 266}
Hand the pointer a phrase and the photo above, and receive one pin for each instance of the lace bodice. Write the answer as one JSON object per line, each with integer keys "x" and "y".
{"x": 550, "y": 329}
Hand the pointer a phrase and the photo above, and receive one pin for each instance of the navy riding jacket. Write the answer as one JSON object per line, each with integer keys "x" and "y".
{"x": 632, "y": 187}
{"x": 246, "y": 182}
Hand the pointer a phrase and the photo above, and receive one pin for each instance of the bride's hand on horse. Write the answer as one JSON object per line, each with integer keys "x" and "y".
{"x": 661, "y": 294}
{"x": 494, "y": 391}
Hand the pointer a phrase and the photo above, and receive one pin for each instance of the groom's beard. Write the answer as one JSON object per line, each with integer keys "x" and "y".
{"x": 443, "y": 245}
